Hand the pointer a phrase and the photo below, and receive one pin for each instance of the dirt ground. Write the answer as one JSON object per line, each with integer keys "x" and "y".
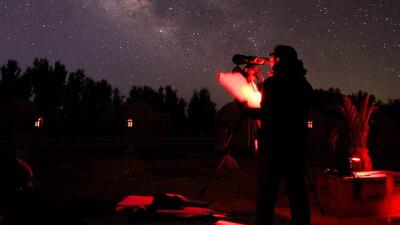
{"x": 83, "y": 187}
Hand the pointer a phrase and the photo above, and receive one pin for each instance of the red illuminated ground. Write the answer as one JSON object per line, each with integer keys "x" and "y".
{"x": 86, "y": 186}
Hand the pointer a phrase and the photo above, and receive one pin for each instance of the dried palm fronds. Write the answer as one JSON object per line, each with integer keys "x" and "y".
{"x": 357, "y": 121}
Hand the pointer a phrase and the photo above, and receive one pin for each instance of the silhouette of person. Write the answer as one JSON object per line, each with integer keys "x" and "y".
{"x": 285, "y": 104}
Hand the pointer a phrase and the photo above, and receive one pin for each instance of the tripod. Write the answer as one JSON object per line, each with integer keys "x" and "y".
{"x": 226, "y": 159}
{"x": 252, "y": 75}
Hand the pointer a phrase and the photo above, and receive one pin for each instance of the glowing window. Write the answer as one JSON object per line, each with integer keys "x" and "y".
{"x": 39, "y": 122}
{"x": 310, "y": 124}
{"x": 129, "y": 122}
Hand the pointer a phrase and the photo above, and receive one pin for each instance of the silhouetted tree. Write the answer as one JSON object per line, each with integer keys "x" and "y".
{"x": 201, "y": 113}
{"x": 48, "y": 82}
{"x": 12, "y": 84}
{"x": 73, "y": 99}
{"x": 117, "y": 100}
{"x": 24, "y": 87}
{"x": 324, "y": 100}
{"x": 392, "y": 109}
{"x": 96, "y": 97}
{"x": 160, "y": 100}
{"x": 194, "y": 114}
{"x": 148, "y": 95}
{"x": 165, "y": 100}
{"x": 175, "y": 107}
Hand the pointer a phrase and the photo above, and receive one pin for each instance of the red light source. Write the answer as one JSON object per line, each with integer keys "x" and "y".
{"x": 240, "y": 88}
{"x": 355, "y": 159}
{"x": 355, "y": 164}
{"x": 252, "y": 96}
{"x": 310, "y": 124}
{"x": 224, "y": 222}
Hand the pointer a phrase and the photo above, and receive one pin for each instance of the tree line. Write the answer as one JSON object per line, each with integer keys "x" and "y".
{"x": 80, "y": 100}
{"x": 327, "y": 101}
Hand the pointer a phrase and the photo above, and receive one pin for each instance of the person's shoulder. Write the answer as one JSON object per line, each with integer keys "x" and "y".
{"x": 308, "y": 84}
{"x": 269, "y": 81}
{"x": 272, "y": 79}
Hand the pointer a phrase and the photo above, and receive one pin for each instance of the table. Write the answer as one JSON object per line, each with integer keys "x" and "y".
{"x": 373, "y": 193}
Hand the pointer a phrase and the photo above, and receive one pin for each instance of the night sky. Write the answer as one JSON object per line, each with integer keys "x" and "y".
{"x": 352, "y": 45}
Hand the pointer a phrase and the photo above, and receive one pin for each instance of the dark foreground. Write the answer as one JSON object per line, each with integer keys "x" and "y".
{"x": 82, "y": 187}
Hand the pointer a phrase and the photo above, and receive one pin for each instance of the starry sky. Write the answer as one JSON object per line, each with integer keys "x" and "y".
{"x": 348, "y": 44}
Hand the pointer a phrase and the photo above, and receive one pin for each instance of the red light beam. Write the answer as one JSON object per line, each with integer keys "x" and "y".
{"x": 240, "y": 88}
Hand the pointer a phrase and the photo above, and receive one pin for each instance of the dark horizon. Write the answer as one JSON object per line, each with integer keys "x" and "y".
{"x": 187, "y": 100}
{"x": 73, "y": 105}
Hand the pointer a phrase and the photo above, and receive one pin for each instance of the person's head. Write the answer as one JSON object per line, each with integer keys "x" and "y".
{"x": 283, "y": 53}
{"x": 273, "y": 60}
{"x": 284, "y": 61}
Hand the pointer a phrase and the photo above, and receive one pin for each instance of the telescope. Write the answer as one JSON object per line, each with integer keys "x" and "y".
{"x": 250, "y": 60}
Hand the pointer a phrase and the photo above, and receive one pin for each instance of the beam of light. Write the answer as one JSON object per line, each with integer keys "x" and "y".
{"x": 240, "y": 88}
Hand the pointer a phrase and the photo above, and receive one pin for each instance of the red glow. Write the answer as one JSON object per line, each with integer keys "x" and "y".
{"x": 253, "y": 97}
{"x": 134, "y": 201}
{"x": 310, "y": 124}
{"x": 256, "y": 145}
{"x": 25, "y": 167}
{"x": 224, "y": 222}
{"x": 393, "y": 195}
{"x": 395, "y": 208}
{"x": 240, "y": 88}
{"x": 187, "y": 212}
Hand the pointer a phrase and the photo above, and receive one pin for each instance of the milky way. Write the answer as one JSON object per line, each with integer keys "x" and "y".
{"x": 351, "y": 45}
